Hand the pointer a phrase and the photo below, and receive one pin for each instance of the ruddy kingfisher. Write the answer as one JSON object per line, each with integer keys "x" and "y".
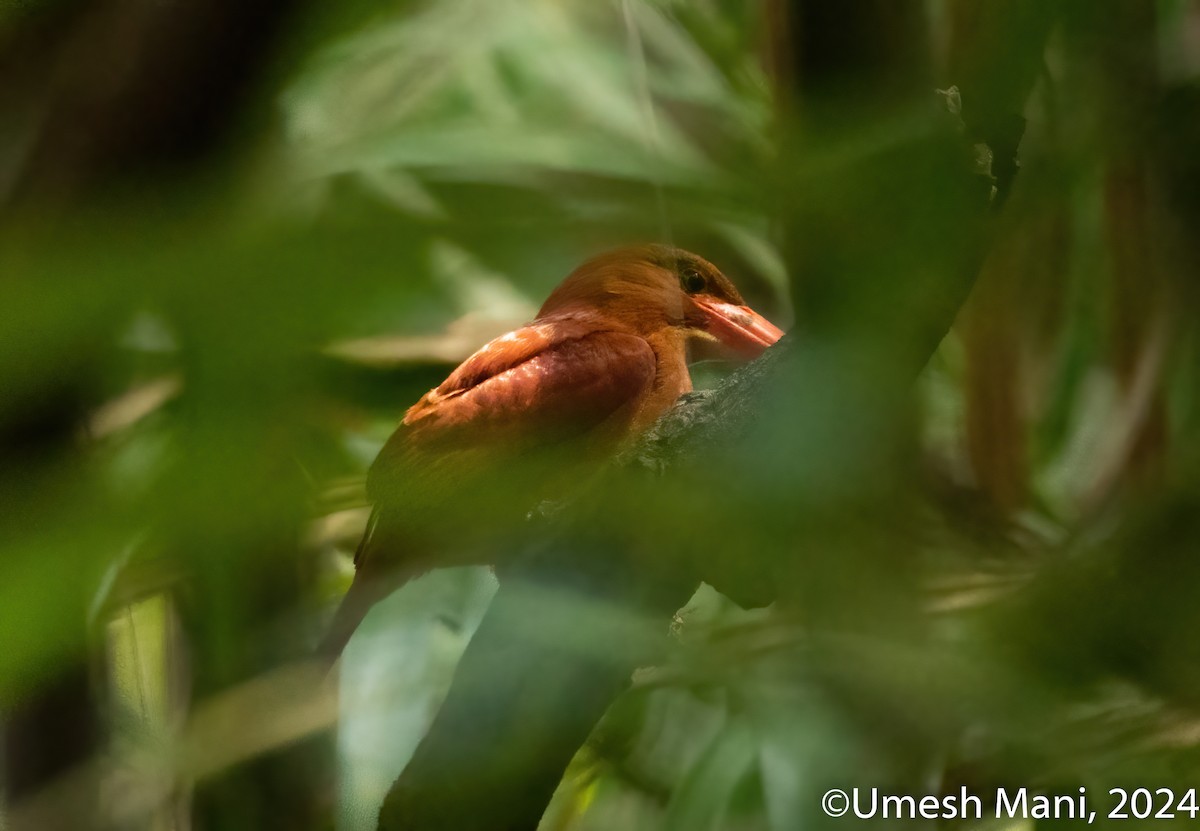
{"x": 536, "y": 410}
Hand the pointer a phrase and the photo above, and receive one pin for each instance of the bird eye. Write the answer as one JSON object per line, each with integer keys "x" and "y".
{"x": 692, "y": 280}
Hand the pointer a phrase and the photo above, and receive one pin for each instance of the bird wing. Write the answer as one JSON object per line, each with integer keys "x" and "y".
{"x": 545, "y": 383}
{"x": 531, "y": 389}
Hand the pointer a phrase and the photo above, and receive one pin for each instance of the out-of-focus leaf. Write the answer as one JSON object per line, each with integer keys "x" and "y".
{"x": 703, "y": 797}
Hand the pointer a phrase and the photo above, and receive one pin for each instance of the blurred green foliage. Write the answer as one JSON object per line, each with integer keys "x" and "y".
{"x": 982, "y": 580}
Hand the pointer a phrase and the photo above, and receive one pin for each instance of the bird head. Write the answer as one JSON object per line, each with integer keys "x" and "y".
{"x": 655, "y": 288}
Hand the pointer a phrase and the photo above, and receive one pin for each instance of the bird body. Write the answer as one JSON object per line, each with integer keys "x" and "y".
{"x": 535, "y": 410}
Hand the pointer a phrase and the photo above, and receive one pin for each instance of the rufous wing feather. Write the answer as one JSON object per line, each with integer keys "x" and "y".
{"x": 559, "y": 385}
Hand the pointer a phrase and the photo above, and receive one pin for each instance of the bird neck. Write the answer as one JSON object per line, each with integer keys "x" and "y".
{"x": 671, "y": 379}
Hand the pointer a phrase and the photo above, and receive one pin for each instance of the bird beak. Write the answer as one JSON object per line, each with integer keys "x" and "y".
{"x": 738, "y": 327}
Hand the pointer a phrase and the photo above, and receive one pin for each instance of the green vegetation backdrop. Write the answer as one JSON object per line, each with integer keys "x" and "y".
{"x": 237, "y": 243}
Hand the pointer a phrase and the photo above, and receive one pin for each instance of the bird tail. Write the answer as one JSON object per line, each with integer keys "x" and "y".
{"x": 350, "y": 613}
{"x": 371, "y": 584}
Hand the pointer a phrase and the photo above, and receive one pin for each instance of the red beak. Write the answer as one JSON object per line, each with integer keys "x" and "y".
{"x": 739, "y": 327}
